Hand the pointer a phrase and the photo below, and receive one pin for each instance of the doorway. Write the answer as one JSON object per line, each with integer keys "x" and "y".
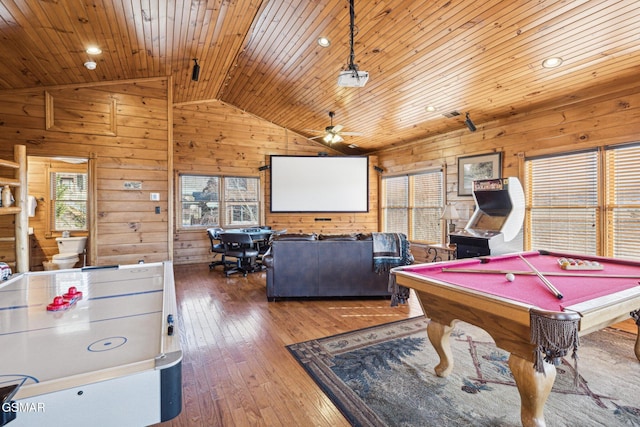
{"x": 59, "y": 206}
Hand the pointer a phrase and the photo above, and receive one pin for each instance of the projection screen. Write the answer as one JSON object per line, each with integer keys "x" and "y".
{"x": 319, "y": 184}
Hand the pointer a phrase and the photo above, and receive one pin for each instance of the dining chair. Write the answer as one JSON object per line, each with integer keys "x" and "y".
{"x": 240, "y": 246}
{"x": 217, "y": 248}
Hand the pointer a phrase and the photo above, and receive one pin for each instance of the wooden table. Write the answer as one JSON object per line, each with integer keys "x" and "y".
{"x": 434, "y": 252}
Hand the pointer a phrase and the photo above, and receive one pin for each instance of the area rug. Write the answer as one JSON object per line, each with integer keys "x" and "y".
{"x": 383, "y": 376}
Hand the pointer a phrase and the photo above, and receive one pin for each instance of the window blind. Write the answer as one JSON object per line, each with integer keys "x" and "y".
{"x": 562, "y": 202}
{"x": 395, "y": 204}
{"x": 428, "y": 200}
{"x": 68, "y": 195}
{"x": 209, "y": 200}
{"x": 412, "y": 204}
{"x": 622, "y": 206}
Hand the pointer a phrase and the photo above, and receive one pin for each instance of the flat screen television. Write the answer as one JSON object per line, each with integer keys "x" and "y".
{"x": 319, "y": 184}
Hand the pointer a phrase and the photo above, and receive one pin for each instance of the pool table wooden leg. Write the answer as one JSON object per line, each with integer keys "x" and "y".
{"x": 439, "y": 336}
{"x": 635, "y": 315}
{"x": 534, "y": 388}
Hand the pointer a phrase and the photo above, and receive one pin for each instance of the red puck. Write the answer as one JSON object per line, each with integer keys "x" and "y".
{"x": 58, "y": 304}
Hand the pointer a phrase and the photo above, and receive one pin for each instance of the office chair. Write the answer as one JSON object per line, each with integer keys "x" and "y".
{"x": 217, "y": 248}
{"x": 240, "y": 246}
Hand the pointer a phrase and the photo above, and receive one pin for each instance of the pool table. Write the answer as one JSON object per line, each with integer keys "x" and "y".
{"x": 112, "y": 357}
{"x": 536, "y": 323}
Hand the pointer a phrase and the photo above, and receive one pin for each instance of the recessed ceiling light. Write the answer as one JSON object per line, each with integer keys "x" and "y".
{"x": 90, "y": 65}
{"x": 430, "y": 108}
{"x": 93, "y": 50}
{"x": 324, "y": 42}
{"x": 552, "y": 62}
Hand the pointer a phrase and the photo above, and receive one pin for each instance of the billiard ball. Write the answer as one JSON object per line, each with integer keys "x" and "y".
{"x": 510, "y": 277}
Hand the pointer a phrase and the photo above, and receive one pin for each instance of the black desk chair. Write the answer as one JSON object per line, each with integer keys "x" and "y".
{"x": 240, "y": 246}
{"x": 217, "y": 248}
{"x": 274, "y": 234}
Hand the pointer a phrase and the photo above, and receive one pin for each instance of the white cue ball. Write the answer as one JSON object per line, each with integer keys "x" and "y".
{"x": 510, "y": 277}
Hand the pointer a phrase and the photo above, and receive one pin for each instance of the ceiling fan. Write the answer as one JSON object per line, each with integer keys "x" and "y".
{"x": 333, "y": 134}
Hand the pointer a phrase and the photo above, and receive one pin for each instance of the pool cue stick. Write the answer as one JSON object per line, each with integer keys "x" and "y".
{"x": 546, "y": 273}
{"x": 552, "y": 288}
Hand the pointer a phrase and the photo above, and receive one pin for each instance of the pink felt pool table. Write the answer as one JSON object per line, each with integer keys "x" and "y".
{"x": 536, "y": 324}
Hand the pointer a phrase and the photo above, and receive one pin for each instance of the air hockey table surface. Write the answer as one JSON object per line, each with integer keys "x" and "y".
{"x": 116, "y": 348}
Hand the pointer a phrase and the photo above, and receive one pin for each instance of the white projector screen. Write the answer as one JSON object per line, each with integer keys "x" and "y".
{"x": 319, "y": 184}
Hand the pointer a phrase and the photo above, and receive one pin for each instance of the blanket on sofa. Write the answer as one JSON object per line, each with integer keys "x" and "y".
{"x": 388, "y": 250}
{"x": 392, "y": 250}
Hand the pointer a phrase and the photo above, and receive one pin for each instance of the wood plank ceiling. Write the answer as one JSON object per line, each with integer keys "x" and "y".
{"x": 482, "y": 57}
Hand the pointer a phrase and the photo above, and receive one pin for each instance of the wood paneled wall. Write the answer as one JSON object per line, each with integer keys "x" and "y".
{"x": 599, "y": 117}
{"x": 127, "y": 141}
{"x": 214, "y": 138}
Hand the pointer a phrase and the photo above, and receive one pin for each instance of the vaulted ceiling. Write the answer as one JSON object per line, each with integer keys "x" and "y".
{"x": 262, "y": 56}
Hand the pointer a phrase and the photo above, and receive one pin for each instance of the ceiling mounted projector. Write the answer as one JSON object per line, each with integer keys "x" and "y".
{"x": 352, "y": 78}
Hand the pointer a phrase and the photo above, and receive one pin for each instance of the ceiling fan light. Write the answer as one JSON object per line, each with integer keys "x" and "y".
{"x": 328, "y": 138}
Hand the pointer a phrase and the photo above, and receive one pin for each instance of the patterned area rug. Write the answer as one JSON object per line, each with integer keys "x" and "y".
{"x": 383, "y": 376}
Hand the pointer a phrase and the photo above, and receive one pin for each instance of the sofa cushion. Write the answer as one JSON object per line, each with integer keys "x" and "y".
{"x": 295, "y": 236}
{"x": 343, "y": 237}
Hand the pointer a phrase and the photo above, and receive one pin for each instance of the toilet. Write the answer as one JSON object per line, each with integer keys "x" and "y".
{"x": 69, "y": 248}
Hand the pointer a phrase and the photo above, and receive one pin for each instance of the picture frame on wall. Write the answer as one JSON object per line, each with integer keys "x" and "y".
{"x": 472, "y": 168}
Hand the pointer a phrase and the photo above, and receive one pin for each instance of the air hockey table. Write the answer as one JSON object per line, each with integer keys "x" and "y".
{"x": 112, "y": 357}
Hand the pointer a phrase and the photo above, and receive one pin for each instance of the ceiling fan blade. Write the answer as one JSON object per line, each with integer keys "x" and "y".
{"x": 317, "y": 137}
{"x": 314, "y": 130}
{"x": 351, "y": 133}
{"x": 337, "y": 128}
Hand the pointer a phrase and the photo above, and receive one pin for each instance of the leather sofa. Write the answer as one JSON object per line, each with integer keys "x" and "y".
{"x": 308, "y": 266}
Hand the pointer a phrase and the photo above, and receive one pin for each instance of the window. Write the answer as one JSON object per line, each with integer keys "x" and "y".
{"x": 412, "y": 204}
{"x": 68, "y": 201}
{"x": 562, "y": 202}
{"x": 622, "y": 201}
{"x": 575, "y": 202}
{"x": 208, "y": 201}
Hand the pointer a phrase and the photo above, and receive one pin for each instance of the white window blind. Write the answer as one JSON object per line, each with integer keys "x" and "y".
{"x": 395, "y": 204}
{"x": 428, "y": 201}
{"x": 412, "y": 204}
{"x": 242, "y": 197}
{"x": 623, "y": 202}
{"x": 68, "y": 201}
{"x": 209, "y": 200}
{"x": 562, "y": 202}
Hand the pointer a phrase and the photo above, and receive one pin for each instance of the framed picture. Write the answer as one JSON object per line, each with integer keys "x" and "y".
{"x": 471, "y": 168}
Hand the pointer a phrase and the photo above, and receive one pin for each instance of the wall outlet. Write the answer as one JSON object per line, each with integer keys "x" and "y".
{"x": 155, "y": 197}
{"x": 157, "y": 209}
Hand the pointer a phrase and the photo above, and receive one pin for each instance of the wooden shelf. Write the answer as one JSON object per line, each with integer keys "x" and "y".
{"x": 9, "y": 181}
{"x": 9, "y": 164}
{"x": 10, "y": 210}
{"x": 19, "y": 165}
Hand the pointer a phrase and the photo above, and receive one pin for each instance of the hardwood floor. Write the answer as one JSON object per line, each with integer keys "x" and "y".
{"x": 236, "y": 368}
